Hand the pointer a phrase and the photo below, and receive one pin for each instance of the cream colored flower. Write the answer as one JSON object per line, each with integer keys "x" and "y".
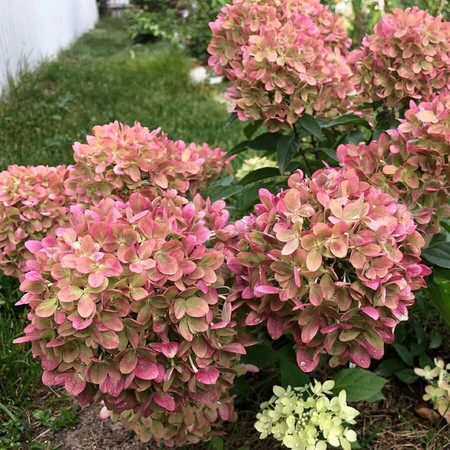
{"x": 307, "y": 418}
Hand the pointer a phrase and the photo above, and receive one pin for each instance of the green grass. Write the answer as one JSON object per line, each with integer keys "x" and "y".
{"x": 101, "y": 78}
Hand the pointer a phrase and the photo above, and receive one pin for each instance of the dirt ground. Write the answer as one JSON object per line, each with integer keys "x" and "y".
{"x": 395, "y": 420}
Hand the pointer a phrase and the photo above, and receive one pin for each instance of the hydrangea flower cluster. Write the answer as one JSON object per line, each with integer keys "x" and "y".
{"x": 332, "y": 261}
{"x": 32, "y": 204}
{"x": 413, "y": 164}
{"x": 252, "y": 164}
{"x": 119, "y": 160}
{"x": 306, "y": 418}
{"x": 438, "y": 389}
{"x": 407, "y": 57}
{"x": 285, "y": 57}
{"x": 127, "y": 306}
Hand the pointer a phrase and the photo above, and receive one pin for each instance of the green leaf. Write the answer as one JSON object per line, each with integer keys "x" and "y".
{"x": 265, "y": 142}
{"x": 439, "y": 291}
{"x": 407, "y": 376}
{"x": 309, "y": 123}
{"x": 287, "y": 146}
{"x": 425, "y": 360}
{"x": 329, "y": 152}
{"x": 438, "y": 254}
{"x": 420, "y": 332}
{"x": 360, "y": 384}
{"x": 231, "y": 119}
{"x": 222, "y": 193}
{"x": 291, "y": 375}
{"x": 347, "y": 119}
{"x": 261, "y": 355}
{"x": 404, "y": 353}
{"x": 251, "y": 128}
{"x": 260, "y": 174}
{"x": 417, "y": 349}
{"x": 389, "y": 367}
{"x": 216, "y": 443}
{"x": 435, "y": 340}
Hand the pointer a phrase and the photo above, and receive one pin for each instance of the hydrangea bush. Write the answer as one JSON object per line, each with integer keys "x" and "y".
{"x": 306, "y": 418}
{"x": 284, "y": 58}
{"x": 407, "y": 57}
{"x": 119, "y": 159}
{"x": 331, "y": 260}
{"x": 411, "y": 163}
{"x": 142, "y": 295}
{"x": 32, "y": 204}
{"x": 126, "y": 306}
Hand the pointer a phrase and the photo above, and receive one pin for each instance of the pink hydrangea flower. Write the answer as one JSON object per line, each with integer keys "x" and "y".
{"x": 411, "y": 163}
{"x": 127, "y": 306}
{"x": 32, "y": 204}
{"x": 331, "y": 260}
{"x": 119, "y": 160}
{"x": 407, "y": 57}
{"x": 284, "y": 57}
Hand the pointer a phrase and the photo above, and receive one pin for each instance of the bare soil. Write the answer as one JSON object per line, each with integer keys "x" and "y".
{"x": 399, "y": 428}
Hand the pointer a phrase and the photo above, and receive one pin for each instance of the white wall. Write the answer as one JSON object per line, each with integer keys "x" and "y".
{"x": 34, "y": 30}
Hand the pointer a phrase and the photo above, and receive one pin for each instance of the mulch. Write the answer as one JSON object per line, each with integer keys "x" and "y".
{"x": 394, "y": 422}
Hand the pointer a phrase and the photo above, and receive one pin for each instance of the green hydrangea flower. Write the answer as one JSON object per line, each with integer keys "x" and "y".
{"x": 306, "y": 418}
{"x": 438, "y": 389}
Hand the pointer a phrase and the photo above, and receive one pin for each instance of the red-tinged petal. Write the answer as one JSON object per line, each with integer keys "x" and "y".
{"x": 306, "y": 360}
{"x": 275, "y": 326}
{"x": 21, "y": 340}
{"x": 47, "y": 307}
{"x": 33, "y": 246}
{"x": 196, "y": 307}
{"x": 112, "y": 321}
{"x": 160, "y": 180}
{"x": 138, "y": 293}
{"x": 315, "y": 294}
{"x": 166, "y": 264}
{"x": 128, "y": 362}
{"x": 314, "y": 259}
{"x": 95, "y": 280}
{"x": 234, "y": 347}
{"x": 208, "y": 375}
{"x": 360, "y": 357}
{"x": 48, "y": 378}
{"x": 338, "y": 248}
{"x": 75, "y": 384}
{"x": 146, "y": 370}
{"x": 321, "y": 231}
{"x": 309, "y": 330}
{"x": 264, "y": 289}
{"x": 69, "y": 294}
{"x": 327, "y": 285}
{"x": 170, "y": 350}
{"x": 290, "y": 247}
{"x": 110, "y": 340}
{"x": 85, "y": 306}
{"x": 285, "y": 235}
{"x": 292, "y": 200}
{"x": 165, "y": 400}
{"x": 371, "y": 312}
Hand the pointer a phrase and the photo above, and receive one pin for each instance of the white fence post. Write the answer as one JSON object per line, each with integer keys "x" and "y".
{"x": 34, "y": 30}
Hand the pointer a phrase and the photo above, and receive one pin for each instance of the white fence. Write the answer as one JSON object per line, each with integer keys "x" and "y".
{"x": 34, "y": 30}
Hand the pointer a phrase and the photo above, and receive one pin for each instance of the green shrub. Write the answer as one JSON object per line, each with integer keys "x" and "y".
{"x": 182, "y": 23}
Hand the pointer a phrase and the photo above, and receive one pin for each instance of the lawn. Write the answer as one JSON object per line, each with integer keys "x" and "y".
{"x": 101, "y": 78}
